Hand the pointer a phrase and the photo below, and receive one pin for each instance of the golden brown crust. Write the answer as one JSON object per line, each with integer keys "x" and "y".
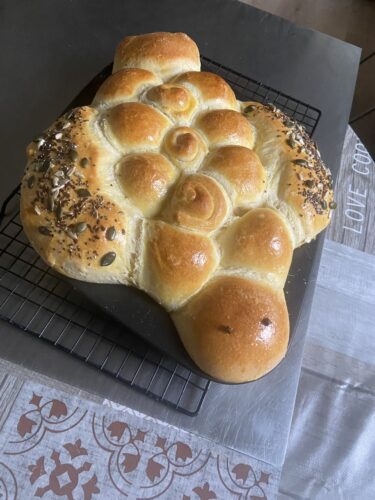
{"x": 198, "y": 203}
{"x": 242, "y": 169}
{"x": 65, "y": 213}
{"x": 134, "y": 125}
{"x": 226, "y": 127}
{"x": 185, "y": 147}
{"x": 174, "y": 100}
{"x": 259, "y": 241}
{"x": 307, "y": 191}
{"x": 181, "y": 152}
{"x": 125, "y": 85}
{"x": 235, "y": 329}
{"x": 163, "y": 53}
{"x": 177, "y": 263}
{"x": 145, "y": 179}
{"x": 213, "y": 91}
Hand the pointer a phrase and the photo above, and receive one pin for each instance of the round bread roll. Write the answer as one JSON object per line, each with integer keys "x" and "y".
{"x": 168, "y": 183}
{"x": 236, "y": 328}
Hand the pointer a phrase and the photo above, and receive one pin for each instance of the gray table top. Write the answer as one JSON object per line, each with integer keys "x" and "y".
{"x": 54, "y": 48}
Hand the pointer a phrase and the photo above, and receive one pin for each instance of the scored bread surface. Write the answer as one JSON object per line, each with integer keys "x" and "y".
{"x": 168, "y": 183}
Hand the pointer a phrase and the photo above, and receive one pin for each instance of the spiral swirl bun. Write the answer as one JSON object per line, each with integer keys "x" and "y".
{"x": 168, "y": 183}
{"x": 199, "y": 203}
{"x": 185, "y": 147}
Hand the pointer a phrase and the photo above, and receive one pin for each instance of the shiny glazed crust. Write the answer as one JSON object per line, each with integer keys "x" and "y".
{"x": 168, "y": 183}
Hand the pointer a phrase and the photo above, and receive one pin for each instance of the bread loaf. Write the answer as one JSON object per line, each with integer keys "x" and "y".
{"x": 166, "y": 182}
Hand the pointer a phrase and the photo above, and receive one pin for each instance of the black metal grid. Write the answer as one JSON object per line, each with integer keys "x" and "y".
{"x": 248, "y": 89}
{"x": 37, "y": 300}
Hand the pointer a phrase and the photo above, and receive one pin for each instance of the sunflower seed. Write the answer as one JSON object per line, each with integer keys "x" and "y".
{"x": 70, "y": 171}
{"x": 110, "y": 234}
{"x": 30, "y": 181}
{"x": 66, "y": 125}
{"x": 37, "y": 210}
{"x": 58, "y": 135}
{"x": 107, "y": 259}
{"x": 288, "y": 123}
{"x": 45, "y": 231}
{"x": 72, "y": 235}
{"x": 58, "y": 211}
{"x": 303, "y": 163}
{"x": 51, "y": 203}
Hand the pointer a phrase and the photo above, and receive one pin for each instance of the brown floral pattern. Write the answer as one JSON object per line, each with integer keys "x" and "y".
{"x": 65, "y": 475}
{"x": 53, "y": 446}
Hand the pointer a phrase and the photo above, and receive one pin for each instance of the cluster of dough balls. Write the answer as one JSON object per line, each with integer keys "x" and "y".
{"x": 168, "y": 183}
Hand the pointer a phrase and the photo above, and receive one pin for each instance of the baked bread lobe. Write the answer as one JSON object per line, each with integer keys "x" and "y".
{"x": 168, "y": 183}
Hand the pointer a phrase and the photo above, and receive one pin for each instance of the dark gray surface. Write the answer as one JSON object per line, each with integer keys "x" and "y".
{"x": 50, "y": 51}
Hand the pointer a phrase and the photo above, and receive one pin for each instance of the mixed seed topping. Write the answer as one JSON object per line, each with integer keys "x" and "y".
{"x": 61, "y": 194}
{"x": 315, "y": 184}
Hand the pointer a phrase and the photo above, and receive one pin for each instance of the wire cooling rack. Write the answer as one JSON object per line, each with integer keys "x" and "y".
{"x": 40, "y": 302}
{"x": 248, "y": 89}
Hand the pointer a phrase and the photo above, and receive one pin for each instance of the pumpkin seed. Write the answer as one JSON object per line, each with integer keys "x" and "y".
{"x": 83, "y": 193}
{"x": 309, "y": 183}
{"x": 30, "y": 181}
{"x": 84, "y": 162}
{"x": 107, "y": 259}
{"x": 110, "y": 234}
{"x": 45, "y": 231}
{"x": 291, "y": 143}
{"x": 80, "y": 227}
{"x": 332, "y": 205}
{"x": 324, "y": 204}
{"x": 72, "y": 155}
